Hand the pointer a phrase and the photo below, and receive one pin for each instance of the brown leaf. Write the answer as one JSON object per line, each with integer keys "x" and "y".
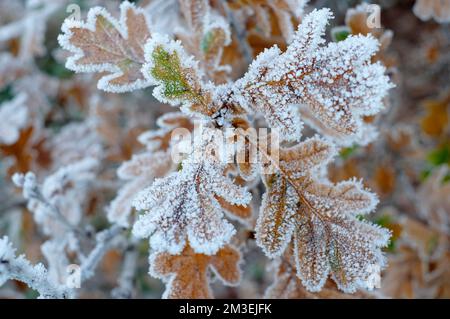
{"x": 105, "y": 44}
{"x": 188, "y": 275}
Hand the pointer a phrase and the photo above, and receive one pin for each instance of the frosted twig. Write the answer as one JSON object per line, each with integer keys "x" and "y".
{"x": 105, "y": 239}
{"x": 126, "y": 280}
{"x": 36, "y": 277}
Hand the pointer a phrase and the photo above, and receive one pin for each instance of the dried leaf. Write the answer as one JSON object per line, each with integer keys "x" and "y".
{"x": 105, "y": 44}
{"x": 183, "y": 206}
{"x": 320, "y": 219}
{"x": 187, "y": 275}
{"x": 335, "y": 85}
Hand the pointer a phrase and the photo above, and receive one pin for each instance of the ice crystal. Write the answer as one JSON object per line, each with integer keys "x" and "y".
{"x": 19, "y": 268}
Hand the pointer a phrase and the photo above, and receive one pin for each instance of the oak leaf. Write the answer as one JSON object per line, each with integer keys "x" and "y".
{"x": 107, "y": 45}
{"x": 320, "y": 219}
{"x": 187, "y": 275}
{"x": 335, "y": 85}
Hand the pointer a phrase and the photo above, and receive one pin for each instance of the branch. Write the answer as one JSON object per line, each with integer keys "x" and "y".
{"x": 105, "y": 240}
{"x": 36, "y": 277}
{"x": 125, "y": 288}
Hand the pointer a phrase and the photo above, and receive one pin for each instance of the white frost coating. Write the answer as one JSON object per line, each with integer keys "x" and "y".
{"x": 13, "y": 116}
{"x": 183, "y": 206}
{"x": 121, "y": 26}
{"x": 277, "y": 112}
{"x": 336, "y": 84}
{"x": 36, "y": 277}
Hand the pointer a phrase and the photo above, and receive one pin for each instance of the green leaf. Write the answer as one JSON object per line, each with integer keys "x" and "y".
{"x": 168, "y": 70}
{"x": 347, "y": 152}
{"x": 440, "y": 156}
{"x": 339, "y": 34}
{"x": 6, "y": 94}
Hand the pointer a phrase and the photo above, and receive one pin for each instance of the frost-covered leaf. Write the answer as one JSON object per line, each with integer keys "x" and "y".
{"x": 335, "y": 85}
{"x": 276, "y": 222}
{"x": 177, "y": 76}
{"x": 320, "y": 218}
{"x": 356, "y": 23}
{"x": 286, "y": 284}
{"x": 160, "y": 139}
{"x": 187, "y": 275}
{"x": 139, "y": 173}
{"x": 105, "y": 44}
{"x": 206, "y": 36}
{"x": 143, "y": 168}
{"x": 183, "y": 206}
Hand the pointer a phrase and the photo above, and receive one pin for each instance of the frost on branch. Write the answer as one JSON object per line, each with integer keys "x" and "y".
{"x": 188, "y": 275}
{"x": 320, "y": 219}
{"x": 19, "y": 268}
{"x": 335, "y": 85}
{"x": 105, "y": 44}
{"x": 183, "y": 206}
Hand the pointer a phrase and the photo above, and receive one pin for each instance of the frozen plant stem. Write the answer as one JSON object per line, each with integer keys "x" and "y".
{"x": 105, "y": 240}
{"x": 36, "y": 277}
{"x": 126, "y": 280}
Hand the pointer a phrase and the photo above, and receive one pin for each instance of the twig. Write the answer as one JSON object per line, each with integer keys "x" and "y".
{"x": 36, "y": 277}
{"x": 125, "y": 288}
{"x": 105, "y": 241}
